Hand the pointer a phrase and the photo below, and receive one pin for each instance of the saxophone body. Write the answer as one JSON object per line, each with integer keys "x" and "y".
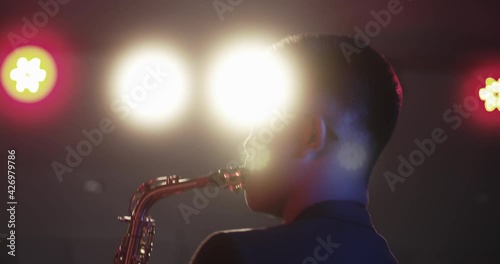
{"x": 137, "y": 244}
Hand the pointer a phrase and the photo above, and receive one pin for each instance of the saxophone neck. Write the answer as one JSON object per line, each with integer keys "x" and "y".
{"x": 151, "y": 191}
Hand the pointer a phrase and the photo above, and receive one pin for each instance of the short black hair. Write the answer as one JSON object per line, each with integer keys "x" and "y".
{"x": 356, "y": 77}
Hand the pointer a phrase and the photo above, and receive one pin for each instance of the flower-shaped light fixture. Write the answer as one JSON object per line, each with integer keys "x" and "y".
{"x": 28, "y": 74}
{"x": 490, "y": 94}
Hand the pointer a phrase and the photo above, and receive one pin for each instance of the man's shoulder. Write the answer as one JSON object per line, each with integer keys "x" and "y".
{"x": 233, "y": 246}
{"x": 318, "y": 238}
{"x": 218, "y": 247}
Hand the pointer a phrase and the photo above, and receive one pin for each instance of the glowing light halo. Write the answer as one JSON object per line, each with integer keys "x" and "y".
{"x": 490, "y": 94}
{"x": 150, "y": 81}
{"x": 352, "y": 155}
{"x": 29, "y": 74}
{"x": 247, "y": 84}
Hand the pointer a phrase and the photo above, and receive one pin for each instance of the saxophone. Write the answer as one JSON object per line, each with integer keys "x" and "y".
{"x": 137, "y": 244}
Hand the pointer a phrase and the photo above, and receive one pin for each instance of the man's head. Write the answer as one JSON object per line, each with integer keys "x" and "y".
{"x": 345, "y": 111}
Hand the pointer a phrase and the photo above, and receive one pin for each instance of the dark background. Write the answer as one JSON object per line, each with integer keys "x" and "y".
{"x": 447, "y": 211}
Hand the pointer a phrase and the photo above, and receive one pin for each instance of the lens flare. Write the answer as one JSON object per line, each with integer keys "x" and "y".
{"x": 248, "y": 84}
{"x": 352, "y": 155}
{"x": 149, "y": 85}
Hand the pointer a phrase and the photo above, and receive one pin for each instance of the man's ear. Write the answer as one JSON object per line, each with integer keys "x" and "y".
{"x": 313, "y": 134}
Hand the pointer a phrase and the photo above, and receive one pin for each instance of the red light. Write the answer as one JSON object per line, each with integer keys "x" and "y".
{"x": 481, "y": 74}
{"x": 490, "y": 94}
{"x": 53, "y": 106}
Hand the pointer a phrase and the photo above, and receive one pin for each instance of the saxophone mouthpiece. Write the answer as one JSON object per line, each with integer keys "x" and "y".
{"x": 232, "y": 178}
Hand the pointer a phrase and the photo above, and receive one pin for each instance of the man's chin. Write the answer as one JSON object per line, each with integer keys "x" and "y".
{"x": 252, "y": 205}
{"x": 253, "y": 202}
{"x": 257, "y": 203}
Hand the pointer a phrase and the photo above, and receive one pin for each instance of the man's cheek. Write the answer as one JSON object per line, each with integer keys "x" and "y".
{"x": 255, "y": 188}
{"x": 283, "y": 146}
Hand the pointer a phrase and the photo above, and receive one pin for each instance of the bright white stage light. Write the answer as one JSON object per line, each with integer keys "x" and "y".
{"x": 150, "y": 85}
{"x": 248, "y": 84}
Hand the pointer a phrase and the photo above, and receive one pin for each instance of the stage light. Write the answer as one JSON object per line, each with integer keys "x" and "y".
{"x": 490, "y": 94}
{"x": 150, "y": 85}
{"x": 248, "y": 84}
{"x": 29, "y": 74}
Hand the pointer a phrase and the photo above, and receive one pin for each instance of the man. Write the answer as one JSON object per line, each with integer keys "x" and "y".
{"x": 321, "y": 161}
